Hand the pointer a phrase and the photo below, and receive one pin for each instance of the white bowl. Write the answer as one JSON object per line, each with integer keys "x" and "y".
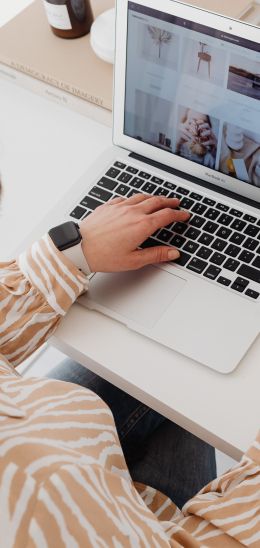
{"x": 102, "y": 36}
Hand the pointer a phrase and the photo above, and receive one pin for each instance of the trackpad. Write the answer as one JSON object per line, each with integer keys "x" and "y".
{"x": 141, "y": 296}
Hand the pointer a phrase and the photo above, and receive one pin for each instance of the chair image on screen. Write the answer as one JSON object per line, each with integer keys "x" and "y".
{"x": 204, "y": 56}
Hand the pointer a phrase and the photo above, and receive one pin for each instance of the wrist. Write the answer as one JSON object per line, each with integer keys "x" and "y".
{"x": 76, "y": 256}
{"x": 67, "y": 239}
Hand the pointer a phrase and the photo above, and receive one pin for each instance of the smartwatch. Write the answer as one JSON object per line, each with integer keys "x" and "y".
{"x": 67, "y": 238}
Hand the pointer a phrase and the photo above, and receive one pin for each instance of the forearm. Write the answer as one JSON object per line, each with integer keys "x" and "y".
{"x": 35, "y": 292}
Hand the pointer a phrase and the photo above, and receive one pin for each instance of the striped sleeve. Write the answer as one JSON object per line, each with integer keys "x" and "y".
{"x": 36, "y": 290}
{"x": 227, "y": 511}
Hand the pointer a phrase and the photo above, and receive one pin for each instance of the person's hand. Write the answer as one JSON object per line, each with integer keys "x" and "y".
{"x": 189, "y": 130}
{"x": 207, "y": 137}
{"x": 114, "y": 231}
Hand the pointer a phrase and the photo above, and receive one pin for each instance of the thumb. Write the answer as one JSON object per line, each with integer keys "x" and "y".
{"x": 152, "y": 255}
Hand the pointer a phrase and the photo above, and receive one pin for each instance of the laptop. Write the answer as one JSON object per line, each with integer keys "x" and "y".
{"x": 186, "y": 124}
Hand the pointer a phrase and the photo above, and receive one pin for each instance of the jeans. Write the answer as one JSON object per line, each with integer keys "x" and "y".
{"x": 158, "y": 452}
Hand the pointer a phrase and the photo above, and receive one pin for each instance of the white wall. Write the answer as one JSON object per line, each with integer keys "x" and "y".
{"x": 10, "y": 8}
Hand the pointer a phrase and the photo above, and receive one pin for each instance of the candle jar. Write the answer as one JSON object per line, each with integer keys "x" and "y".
{"x": 69, "y": 18}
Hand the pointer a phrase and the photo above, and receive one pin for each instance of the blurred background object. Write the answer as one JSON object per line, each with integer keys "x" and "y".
{"x": 102, "y": 37}
{"x": 69, "y": 18}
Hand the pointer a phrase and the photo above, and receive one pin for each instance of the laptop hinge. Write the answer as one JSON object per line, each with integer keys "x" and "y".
{"x": 196, "y": 180}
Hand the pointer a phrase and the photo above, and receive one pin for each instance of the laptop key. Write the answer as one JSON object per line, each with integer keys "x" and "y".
{"x": 212, "y": 272}
{"x": 191, "y": 247}
{"x": 195, "y": 196}
{"x": 161, "y": 191}
{"x": 204, "y": 252}
{"x": 179, "y": 228}
{"x": 120, "y": 165}
{"x": 157, "y": 180}
{"x": 232, "y": 250}
{"x": 125, "y": 177}
{"x": 197, "y": 265}
{"x": 182, "y": 190}
{"x": 236, "y": 213}
{"x": 225, "y": 219}
{"x": 238, "y": 225}
{"x": 90, "y": 203}
{"x": 186, "y": 203}
{"x": 112, "y": 172}
{"x": 250, "y": 218}
{"x": 164, "y": 235}
{"x": 209, "y": 202}
{"x": 252, "y": 294}
{"x": 224, "y": 281}
{"x": 206, "y": 239}
{"x": 78, "y": 212}
{"x": 144, "y": 175}
{"x": 249, "y": 272}
{"x": 149, "y": 188}
{"x": 242, "y": 281}
{"x": 177, "y": 241}
{"x": 222, "y": 207}
{"x": 192, "y": 233}
{"x": 238, "y": 287}
{"x": 219, "y": 245}
{"x": 210, "y": 227}
{"x": 197, "y": 221}
{"x": 252, "y": 230}
{"x": 122, "y": 190}
{"x": 175, "y": 195}
{"x": 231, "y": 264}
{"x": 217, "y": 259}
{"x": 100, "y": 193}
{"x": 183, "y": 259}
{"x": 169, "y": 185}
{"x": 199, "y": 208}
{"x": 212, "y": 214}
{"x": 223, "y": 232}
{"x": 237, "y": 238}
{"x": 136, "y": 182}
{"x": 251, "y": 244}
{"x": 246, "y": 256}
{"x": 107, "y": 183}
{"x": 131, "y": 169}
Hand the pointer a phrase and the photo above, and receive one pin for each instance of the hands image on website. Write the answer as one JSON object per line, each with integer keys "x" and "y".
{"x": 197, "y": 137}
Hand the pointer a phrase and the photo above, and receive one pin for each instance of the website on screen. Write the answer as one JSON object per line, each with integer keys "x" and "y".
{"x": 194, "y": 92}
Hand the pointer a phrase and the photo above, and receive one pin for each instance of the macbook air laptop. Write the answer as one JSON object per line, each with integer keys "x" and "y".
{"x": 186, "y": 125}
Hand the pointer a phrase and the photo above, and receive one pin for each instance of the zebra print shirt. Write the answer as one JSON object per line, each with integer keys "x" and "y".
{"x": 63, "y": 478}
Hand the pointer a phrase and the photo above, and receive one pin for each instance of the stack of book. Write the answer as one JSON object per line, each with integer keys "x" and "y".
{"x": 68, "y": 71}
{"x": 65, "y": 71}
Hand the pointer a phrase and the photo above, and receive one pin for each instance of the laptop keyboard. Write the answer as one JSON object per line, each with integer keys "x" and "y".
{"x": 219, "y": 242}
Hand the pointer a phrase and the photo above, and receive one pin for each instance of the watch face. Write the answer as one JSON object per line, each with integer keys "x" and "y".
{"x": 66, "y": 235}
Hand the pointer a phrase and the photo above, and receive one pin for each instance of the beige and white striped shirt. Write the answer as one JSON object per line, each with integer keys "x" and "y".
{"x": 63, "y": 478}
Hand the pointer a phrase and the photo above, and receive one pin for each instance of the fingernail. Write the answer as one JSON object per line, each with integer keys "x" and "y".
{"x": 173, "y": 254}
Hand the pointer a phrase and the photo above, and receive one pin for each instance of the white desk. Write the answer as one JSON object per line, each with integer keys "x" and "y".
{"x": 44, "y": 148}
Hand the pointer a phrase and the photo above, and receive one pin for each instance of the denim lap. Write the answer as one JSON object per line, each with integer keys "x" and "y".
{"x": 158, "y": 452}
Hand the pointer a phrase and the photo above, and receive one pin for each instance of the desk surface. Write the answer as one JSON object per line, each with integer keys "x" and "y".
{"x": 44, "y": 148}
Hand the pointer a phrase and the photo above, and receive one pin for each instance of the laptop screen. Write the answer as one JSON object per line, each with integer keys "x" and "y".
{"x": 194, "y": 92}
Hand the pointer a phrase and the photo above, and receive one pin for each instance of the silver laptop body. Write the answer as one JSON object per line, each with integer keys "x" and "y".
{"x": 186, "y": 123}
